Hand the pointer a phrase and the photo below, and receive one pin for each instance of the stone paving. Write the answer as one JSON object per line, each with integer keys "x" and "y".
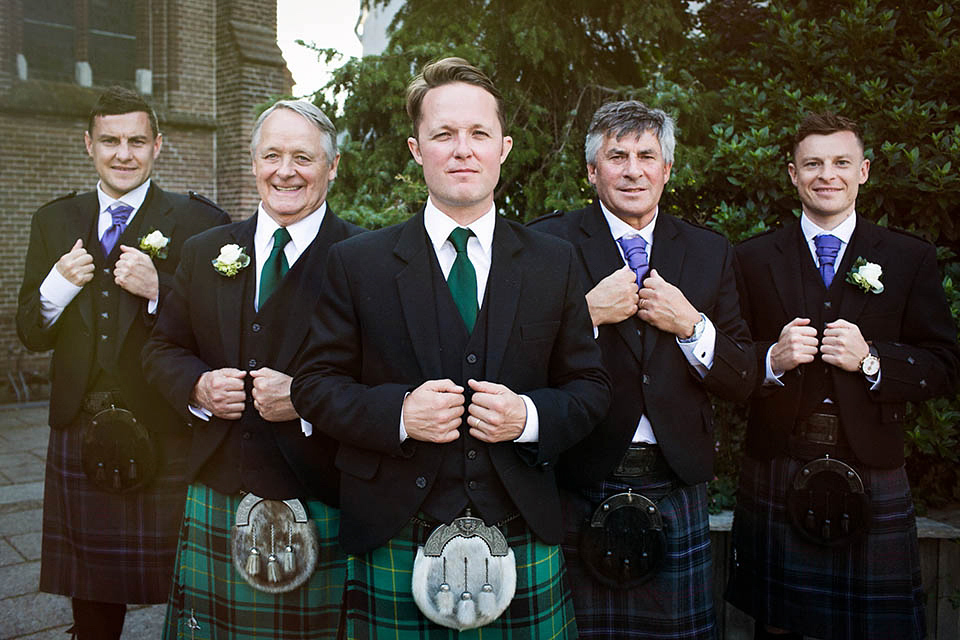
{"x": 25, "y": 612}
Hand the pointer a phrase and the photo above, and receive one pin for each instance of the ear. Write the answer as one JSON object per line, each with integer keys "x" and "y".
{"x": 332, "y": 175}
{"x": 592, "y": 174}
{"x": 505, "y": 148}
{"x": 666, "y": 172}
{"x": 414, "y": 147}
{"x": 88, "y": 143}
{"x": 864, "y": 170}
{"x": 792, "y": 170}
{"x": 157, "y": 145}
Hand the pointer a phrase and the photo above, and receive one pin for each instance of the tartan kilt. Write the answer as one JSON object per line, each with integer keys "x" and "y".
{"x": 104, "y": 546}
{"x": 208, "y": 588}
{"x": 379, "y": 603}
{"x": 675, "y": 603}
{"x": 869, "y": 589}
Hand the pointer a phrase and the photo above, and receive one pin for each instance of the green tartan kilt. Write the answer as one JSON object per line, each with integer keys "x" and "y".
{"x": 379, "y": 603}
{"x": 208, "y": 589}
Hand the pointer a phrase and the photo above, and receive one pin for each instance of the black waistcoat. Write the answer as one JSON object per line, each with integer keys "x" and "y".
{"x": 249, "y": 458}
{"x": 466, "y": 476}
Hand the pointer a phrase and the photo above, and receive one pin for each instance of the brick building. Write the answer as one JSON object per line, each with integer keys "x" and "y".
{"x": 204, "y": 64}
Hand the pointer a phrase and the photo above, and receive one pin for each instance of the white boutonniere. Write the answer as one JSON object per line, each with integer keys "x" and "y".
{"x": 154, "y": 244}
{"x": 866, "y": 275}
{"x": 231, "y": 260}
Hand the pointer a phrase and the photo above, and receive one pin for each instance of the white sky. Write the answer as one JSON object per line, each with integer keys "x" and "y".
{"x": 328, "y": 23}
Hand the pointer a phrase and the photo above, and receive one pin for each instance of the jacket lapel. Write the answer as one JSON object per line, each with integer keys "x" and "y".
{"x": 416, "y": 297}
{"x": 865, "y": 242}
{"x": 230, "y": 298}
{"x": 786, "y": 270}
{"x": 598, "y": 250}
{"x": 667, "y": 258}
{"x": 504, "y": 286}
{"x": 83, "y": 224}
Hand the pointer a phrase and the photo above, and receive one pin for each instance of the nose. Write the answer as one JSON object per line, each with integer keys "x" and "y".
{"x": 462, "y": 148}
{"x": 827, "y": 171}
{"x": 631, "y": 168}
{"x": 286, "y": 170}
{"x": 123, "y": 151}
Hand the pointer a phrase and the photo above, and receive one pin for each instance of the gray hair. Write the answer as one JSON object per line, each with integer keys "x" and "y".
{"x": 312, "y": 114}
{"x": 630, "y": 116}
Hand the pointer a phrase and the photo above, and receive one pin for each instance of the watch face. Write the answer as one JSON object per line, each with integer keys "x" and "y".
{"x": 870, "y": 365}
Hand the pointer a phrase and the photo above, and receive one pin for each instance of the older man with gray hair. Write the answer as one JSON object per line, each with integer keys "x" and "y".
{"x": 663, "y": 299}
{"x": 258, "y": 551}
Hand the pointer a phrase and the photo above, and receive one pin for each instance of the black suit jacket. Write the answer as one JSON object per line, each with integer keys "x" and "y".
{"x": 647, "y": 363}
{"x": 374, "y": 339}
{"x": 200, "y": 330}
{"x": 54, "y": 230}
{"x": 909, "y": 324}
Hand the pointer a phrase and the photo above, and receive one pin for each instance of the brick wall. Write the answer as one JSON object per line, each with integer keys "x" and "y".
{"x": 213, "y": 62}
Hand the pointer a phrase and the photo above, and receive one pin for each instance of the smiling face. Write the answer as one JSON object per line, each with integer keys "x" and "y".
{"x": 123, "y": 149}
{"x": 629, "y": 175}
{"x": 461, "y": 146}
{"x": 291, "y": 167}
{"x": 827, "y": 171}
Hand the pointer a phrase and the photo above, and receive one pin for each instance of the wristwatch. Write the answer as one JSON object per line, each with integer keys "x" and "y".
{"x": 697, "y": 330}
{"x": 870, "y": 365}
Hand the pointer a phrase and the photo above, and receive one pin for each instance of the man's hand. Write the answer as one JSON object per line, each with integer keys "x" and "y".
{"x": 221, "y": 393}
{"x": 135, "y": 273}
{"x": 665, "y": 307}
{"x": 76, "y": 265}
{"x": 432, "y": 411}
{"x": 614, "y": 299}
{"x": 796, "y": 345}
{"x": 271, "y": 395}
{"x": 497, "y": 414}
{"x": 843, "y": 345}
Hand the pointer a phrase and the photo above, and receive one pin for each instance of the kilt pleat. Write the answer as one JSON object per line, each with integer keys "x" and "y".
{"x": 678, "y": 601}
{"x": 379, "y": 603}
{"x": 210, "y": 596}
{"x": 869, "y": 589}
{"x": 104, "y": 546}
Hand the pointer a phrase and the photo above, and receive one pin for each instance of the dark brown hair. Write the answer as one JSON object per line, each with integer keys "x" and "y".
{"x": 447, "y": 71}
{"x": 825, "y": 123}
{"x": 117, "y": 101}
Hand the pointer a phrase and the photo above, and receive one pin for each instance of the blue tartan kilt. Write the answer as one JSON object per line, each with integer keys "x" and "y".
{"x": 110, "y": 547}
{"x": 870, "y": 589}
{"x": 678, "y": 601}
{"x": 210, "y": 600}
{"x": 379, "y": 603}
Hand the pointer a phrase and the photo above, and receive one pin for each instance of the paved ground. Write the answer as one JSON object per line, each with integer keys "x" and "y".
{"x": 24, "y": 612}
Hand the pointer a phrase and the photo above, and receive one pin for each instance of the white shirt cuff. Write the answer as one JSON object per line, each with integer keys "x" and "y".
{"x": 700, "y": 353}
{"x": 152, "y": 306}
{"x": 306, "y": 427}
{"x": 771, "y": 379}
{"x": 531, "y": 430}
{"x": 56, "y": 292}
{"x": 200, "y": 412}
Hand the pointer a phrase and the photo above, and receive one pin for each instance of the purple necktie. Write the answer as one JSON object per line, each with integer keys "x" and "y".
{"x": 635, "y": 251}
{"x": 120, "y": 212}
{"x": 828, "y": 246}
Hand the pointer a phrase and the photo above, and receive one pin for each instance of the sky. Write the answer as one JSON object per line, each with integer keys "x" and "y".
{"x": 328, "y": 23}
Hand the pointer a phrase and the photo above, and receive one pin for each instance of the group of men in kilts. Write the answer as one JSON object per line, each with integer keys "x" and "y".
{"x": 463, "y": 376}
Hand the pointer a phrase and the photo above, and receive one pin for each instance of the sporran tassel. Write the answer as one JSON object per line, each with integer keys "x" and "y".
{"x": 467, "y": 611}
{"x": 289, "y": 556}
{"x": 444, "y": 594}
{"x": 253, "y": 559}
{"x": 487, "y": 600}
{"x": 132, "y": 470}
{"x": 273, "y": 565}
{"x": 116, "y": 479}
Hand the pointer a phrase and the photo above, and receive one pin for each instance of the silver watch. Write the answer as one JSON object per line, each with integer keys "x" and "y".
{"x": 870, "y": 365}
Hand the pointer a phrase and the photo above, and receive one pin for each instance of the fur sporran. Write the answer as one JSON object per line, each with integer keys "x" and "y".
{"x": 117, "y": 452}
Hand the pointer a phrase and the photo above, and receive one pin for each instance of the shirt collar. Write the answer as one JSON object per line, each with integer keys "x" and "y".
{"x": 620, "y": 229}
{"x": 439, "y": 225}
{"x": 134, "y": 197}
{"x": 844, "y": 230}
{"x": 302, "y": 232}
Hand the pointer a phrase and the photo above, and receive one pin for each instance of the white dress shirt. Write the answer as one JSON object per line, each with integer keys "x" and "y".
{"x": 699, "y": 353}
{"x": 56, "y": 292}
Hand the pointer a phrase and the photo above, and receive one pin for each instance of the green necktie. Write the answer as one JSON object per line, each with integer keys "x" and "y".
{"x": 463, "y": 279}
{"x": 275, "y": 267}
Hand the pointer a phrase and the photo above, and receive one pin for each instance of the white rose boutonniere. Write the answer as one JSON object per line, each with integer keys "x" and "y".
{"x": 866, "y": 275}
{"x": 231, "y": 260}
{"x": 154, "y": 244}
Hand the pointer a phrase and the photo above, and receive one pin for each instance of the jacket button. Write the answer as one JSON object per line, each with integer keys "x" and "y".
{"x": 256, "y": 327}
{"x": 646, "y": 379}
{"x": 544, "y": 466}
{"x": 472, "y": 358}
{"x": 246, "y": 435}
{"x": 910, "y": 360}
{"x": 105, "y": 315}
{"x": 472, "y": 484}
{"x": 106, "y": 272}
{"x": 421, "y": 482}
{"x": 252, "y": 363}
{"x": 104, "y": 337}
{"x": 827, "y": 304}
{"x": 743, "y": 375}
{"x": 472, "y": 454}
{"x": 923, "y": 383}
{"x": 104, "y": 294}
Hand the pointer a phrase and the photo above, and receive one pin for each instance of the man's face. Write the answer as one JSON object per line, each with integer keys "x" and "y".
{"x": 629, "y": 175}
{"x": 461, "y": 146}
{"x": 827, "y": 171}
{"x": 291, "y": 167}
{"x": 123, "y": 150}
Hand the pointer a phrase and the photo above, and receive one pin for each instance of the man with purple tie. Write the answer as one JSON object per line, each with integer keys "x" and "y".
{"x": 663, "y": 299}
{"x": 97, "y": 268}
{"x": 851, "y": 323}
